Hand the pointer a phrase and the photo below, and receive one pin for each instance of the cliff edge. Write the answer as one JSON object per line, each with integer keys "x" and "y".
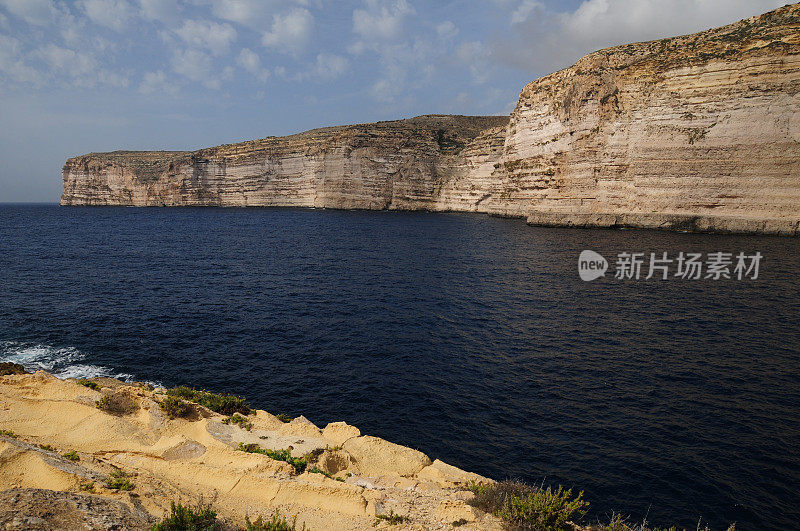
{"x": 103, "y": 454}
{"x": 699, "y": 132}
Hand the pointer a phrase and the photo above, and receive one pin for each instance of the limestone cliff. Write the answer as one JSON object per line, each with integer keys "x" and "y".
{"x": 399, "y": 165}
{"x": 700, "y": 132}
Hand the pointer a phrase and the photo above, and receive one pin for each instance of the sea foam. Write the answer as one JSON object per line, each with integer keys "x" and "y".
{"x": 62, "y": 362}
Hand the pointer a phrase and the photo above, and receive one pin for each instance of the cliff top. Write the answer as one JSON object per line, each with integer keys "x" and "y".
{"x": 450, "y": 131}
{"x": 776, "y": 32}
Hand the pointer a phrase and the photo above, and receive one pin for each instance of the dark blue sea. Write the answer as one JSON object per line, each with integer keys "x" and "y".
{"x": 469, "y": 337}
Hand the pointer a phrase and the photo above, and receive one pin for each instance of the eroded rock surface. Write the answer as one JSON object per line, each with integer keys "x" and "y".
{"x": 344, "y": 485}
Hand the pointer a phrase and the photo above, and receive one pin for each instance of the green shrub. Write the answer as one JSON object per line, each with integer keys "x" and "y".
{"x": 119, "y": 404}
{"x": 277, "y": 522}
{"x": 315, "y": 470}
{"x": 90, "y": 384}
{"x": 7, "y": 368}
{"x": 72, "y": 455}
{"x": 392, "y": 519}
{"x": 220, "y": 403}
{"x": 241, "y": 421}
{"x": 119, "y": 480}
{"x": 544, "y": 509}
{"x": 8, "y": 433}
{"x": 278, "y": 455}
{"x": 284, "y": 418}
{"x": 46, "y": 447}
{"x": 174, "y": 407}
{"x": 181, "y": 518}
{"x": 492, "y": 497}
{"x": 86, "y": 487}
{"x": 522, "y": 506}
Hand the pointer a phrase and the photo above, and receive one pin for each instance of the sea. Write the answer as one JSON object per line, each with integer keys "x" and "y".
{"x": 471, "y": 338}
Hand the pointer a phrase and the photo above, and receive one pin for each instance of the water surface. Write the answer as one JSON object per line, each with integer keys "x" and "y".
{"x": 466, "y": 336}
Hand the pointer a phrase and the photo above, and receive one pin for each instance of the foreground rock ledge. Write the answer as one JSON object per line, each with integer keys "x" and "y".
{"x": 191, "y": 459}
{"x": 697, "y": 133}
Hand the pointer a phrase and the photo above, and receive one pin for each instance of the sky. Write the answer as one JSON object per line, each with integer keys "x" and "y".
{"x": 101, "y": 75}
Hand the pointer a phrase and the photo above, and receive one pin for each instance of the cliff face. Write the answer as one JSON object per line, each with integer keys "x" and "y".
{"x": 399, "y": 165}
{"x": 700, "y": 132}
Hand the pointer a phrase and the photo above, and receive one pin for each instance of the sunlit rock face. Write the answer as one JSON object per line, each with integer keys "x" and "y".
{"x": 700, "y": 132}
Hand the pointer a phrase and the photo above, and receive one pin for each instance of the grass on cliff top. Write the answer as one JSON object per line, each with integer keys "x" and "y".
{"x": 119, "y": 403}
{"x": 523, "y": 506}
{"x": 220, "y": 403}
{"x": 298, "y": 463}
{"x": 119, "y": 480}
{"x": 204, "y": 518}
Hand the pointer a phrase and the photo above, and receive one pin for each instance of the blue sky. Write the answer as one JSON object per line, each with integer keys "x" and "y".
{"x": 100, "y": 75}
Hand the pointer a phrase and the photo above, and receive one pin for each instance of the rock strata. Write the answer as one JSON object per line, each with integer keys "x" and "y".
{"x": 699, "y": 132}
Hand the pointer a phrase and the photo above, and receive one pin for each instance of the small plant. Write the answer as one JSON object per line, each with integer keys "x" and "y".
{"x": 72, "y": 455}
{"x": 283, "y": 417}
{"x": 8, "y": 433}
{"x": 545, "y": 509}
{"x": 87, "y": 486}
{"x": 119, "y": 480}
{"x": 181, "y": 518}
{"x": 241, "y": 421}
{"x": 299, "y": 464}
{"x": 46, "y": 447}
{"x": 7, "y": 368}
{"x": 90, "y": 384}
{"x": 527, "y": 507}
{"x": 277, "y": 522}
{"x": 314, "y": 455}
{"x": 316, "y": 470}
{"x": 392, "y": 518}
{"x": 220, "y": 403}
{"x": 459, "y": 523}
{"x": 174, "y": 407}
{"x": 118, "y": 404}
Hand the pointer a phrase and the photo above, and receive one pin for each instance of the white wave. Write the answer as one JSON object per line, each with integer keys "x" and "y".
{"x": 62, "y": 362}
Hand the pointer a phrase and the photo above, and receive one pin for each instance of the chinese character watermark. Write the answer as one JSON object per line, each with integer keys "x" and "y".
{"x": 660, "y": 266}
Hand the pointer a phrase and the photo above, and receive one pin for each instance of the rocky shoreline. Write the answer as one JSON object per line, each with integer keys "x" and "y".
{"x": 69, "y": 449}
{"x": 698, "y": 132}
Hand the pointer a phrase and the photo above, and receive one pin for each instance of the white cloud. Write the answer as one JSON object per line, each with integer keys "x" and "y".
{"x": 36, "y": 12}
{"x": 198, "y": 66}
{"x": 214, "y": 37}
{"x": 114, "y": 14}
{"x": 250, "y": 61}
{"x": 524, "y": 10}
{"x": 193, "y": 64}
{"x": 156, "y": 82}
{"x": 381, "y": 20}
{"x": 447, "y": 30}
{"x": 13, "y": 65}
{"x": 77, "y": 68}
{"x": 163, "y": 11}
{"x": 290, "y": 31}
{"x": 476, "y": 57}
{"x": 245, "y": 12}
{"x": 330, "y": 66}
{"x": 74, "y": 63}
